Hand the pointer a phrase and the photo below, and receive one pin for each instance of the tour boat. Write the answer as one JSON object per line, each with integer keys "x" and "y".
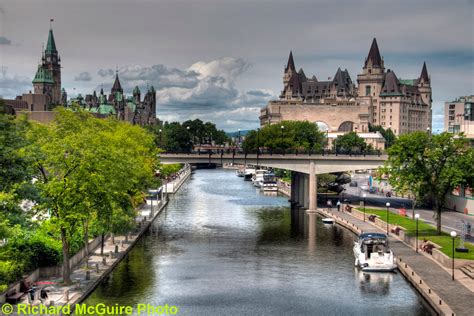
{"x": 248, "y": 173}
{"x": 328, "y": 220}
{"x": 269, "y": 183}
{"x": 257, "y": 177}
{"x": 372, "y": 253}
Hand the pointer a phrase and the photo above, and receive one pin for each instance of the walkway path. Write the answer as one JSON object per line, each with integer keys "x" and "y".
{"x": 455, "y": 294}
{"x": 85, "y": 280}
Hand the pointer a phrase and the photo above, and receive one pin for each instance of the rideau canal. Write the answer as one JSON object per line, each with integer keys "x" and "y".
{"x": 221, "y": 247}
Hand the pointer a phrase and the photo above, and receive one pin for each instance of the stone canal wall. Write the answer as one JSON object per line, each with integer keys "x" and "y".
{"x": 173, "y": 186}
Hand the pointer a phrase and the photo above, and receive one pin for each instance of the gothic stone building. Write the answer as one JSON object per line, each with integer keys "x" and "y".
{"x": 338, "y": 105}
{"x": 131, "y": 109}
{"x": 48, "y": 94}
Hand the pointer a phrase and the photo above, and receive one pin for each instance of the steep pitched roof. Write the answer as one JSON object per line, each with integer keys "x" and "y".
{"x": 43, "y": 76}
{"x": 374, "y": 55}
{"x": 301, "y": 75}
{"x": 391, "y": 85}
{"x": 291, "y": 63}
{"x": 116, "y": 87}
{"x": 424, "y": 74}
{"x": 51, "y": 45}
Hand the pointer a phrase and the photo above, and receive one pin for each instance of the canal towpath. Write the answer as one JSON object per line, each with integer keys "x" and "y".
{"x": 456, "y": 296}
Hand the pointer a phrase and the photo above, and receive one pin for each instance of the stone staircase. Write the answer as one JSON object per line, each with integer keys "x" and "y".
{"x": 468, "y": 270}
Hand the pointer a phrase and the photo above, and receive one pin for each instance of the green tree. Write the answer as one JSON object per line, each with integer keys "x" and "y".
{"x": 85, "y": 166}
{"x": 386, "y": 133}
{"x": 350, "y": 142}
{"x": 430, "y": 167}
{"x": 295, "y": 135}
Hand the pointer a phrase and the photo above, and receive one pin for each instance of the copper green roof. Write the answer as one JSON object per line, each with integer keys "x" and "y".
{"x": 43, "y": 76}
{"x": 106, "y": 109}
{"x": 51, "y": 46}
{"x": 391, "y": 94}
{"x": 132, "y": 106}
{"x": 410, "y": 82}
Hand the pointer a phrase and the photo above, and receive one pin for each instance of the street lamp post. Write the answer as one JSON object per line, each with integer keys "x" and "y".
{"x": 388, "y": 206}
{"x": 282, "y": 128}
{"x": 364, "y": 196}
{"x": 161, "y": 144}
{"x": 192, "y": 140}
{"x": 239, "y": 139}
{"x": 258, "y": 144}
{"x": 327, "y": 140}
{"x": 417, "y": 216}
{"x": 453, "y": 235}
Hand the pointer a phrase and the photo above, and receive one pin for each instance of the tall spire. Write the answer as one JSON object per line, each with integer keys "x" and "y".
{"x": 117, "y": 87}
{"x": 424, "y": 74}
{"x": 51, "y": 45}
{"x": 291, "y": 63}
{"x": 374, "y": 55}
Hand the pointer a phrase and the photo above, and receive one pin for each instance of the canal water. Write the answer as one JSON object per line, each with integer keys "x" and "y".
{"x": 221, "y": 247}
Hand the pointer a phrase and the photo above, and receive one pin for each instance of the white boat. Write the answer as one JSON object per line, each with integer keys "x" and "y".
{"x": 328, "y": 220}
{"x": 240, "y": 172}
{"x": 269, "y": 183}
{"x": 257, "y": 178}
{"x": 372, "y": 253}
{"x": 248, "y": 173}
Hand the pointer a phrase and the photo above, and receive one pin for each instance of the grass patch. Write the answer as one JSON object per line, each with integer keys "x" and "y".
{"x": 426, "y": 231}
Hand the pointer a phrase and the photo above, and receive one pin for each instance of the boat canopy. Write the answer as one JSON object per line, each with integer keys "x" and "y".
{"x": 373, "y": 238}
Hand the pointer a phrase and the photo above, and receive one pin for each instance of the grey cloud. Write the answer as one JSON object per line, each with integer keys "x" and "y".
{"x": 12, "y": 86}
{"x": 159, "y": 76}
{"x": 5, "y": 41}
{"x": 105, "y": 72}
{"x": 259, "y": 93}
{"x": 83, "y": 76}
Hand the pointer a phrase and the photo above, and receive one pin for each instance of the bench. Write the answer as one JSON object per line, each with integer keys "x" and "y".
{"x": 372, "y": 218}
{"x": 396, "y": 230}
{"x": 14, "y": 298}
{"x": 427, "y": 247}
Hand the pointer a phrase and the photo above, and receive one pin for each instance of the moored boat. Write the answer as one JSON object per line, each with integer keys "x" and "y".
{"x": 372, "y": 253}
{"x": 248, "y": 173}
{"x": 269, "y": 182}
{"x": 257, "y": 178}
{"x": 328, "y": 220}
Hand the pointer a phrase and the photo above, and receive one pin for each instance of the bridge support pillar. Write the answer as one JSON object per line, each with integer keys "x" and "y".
{"x": 313, "y": 187}
{"x": 306, "y": 191}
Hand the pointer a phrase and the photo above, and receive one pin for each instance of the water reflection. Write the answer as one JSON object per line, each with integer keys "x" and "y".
{"x": 373, "y": 282}
{"x": 223, "y": 248}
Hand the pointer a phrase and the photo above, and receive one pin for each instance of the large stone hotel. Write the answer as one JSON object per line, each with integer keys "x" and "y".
{"x": 338, "y": 106}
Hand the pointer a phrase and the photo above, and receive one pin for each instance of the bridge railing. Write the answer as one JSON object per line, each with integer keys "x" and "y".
{"x": 259, "y": 152}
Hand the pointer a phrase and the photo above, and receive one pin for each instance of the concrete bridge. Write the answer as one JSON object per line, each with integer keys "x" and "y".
{"x": 297, "y": 163}
{"x": 305, "y": 169}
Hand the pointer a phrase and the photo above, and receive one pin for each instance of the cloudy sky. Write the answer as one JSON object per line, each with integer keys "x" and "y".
{"x": 222, "y": 60}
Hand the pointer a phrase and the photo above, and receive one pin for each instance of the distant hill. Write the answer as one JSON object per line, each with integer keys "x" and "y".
{"x": 236, "y": 134}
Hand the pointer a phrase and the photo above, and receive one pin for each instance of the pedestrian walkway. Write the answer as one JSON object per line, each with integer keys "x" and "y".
{"x": 86, "y": 277}
{"x": 455, "y": 294}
